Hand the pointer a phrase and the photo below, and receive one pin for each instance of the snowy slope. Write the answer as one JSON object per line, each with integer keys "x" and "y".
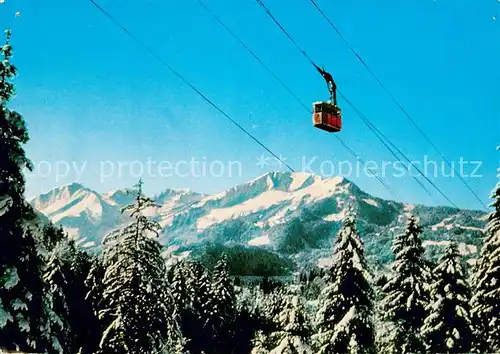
{"x": 87, "y": 215}
{"x": 289, "y": 213}
{"x": 269, "y": 191}
{"x": 83, "y": 213}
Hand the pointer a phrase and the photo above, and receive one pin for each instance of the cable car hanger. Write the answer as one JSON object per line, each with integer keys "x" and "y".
{"x": 332, "y": 87}
{"x": 327, "y": 115}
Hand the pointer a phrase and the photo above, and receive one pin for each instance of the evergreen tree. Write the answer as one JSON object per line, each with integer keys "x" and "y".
{"x": 248, "y": 320}
{"x": 288, "y": 329}
{"x": 181, "y": 298}
{"x": 407, "y": 292}
{"x": 198, "y": 283}
{"x": 191, "y": 280}
{"x": 447, "y": 329}
{"x": 259, "y": 343}
{"x": 345, "y": 315}
{"x": 191, "y": 289}
{"x": 52, "y": 236}
{"x": 219, "y": 310}
{"x": 180, "y": 292}
{"x": 485, "y": 310}
{"x": 14, "y": 135}
{"x": 95, "y": 295}
{"x": 26, "y": 317}
{"x": 136, "y": 297}
{"x": 66, "y": 272}
{"x": 295, "y": 332}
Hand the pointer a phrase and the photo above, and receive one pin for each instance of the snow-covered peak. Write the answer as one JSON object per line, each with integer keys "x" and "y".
{"x": 288, "y": 182}
{"x": 168, "y": 193}
{"x": 60, "y": 196}
{"x": 283, "y": 191}
{"x": 119, "y": 197}
{"x": 178, "y": 195}
{"x": 291, "y": 181}
{"x": 257, "y": 213}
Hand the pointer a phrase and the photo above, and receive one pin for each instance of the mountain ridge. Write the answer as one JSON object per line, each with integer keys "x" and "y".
{"x": 295, "y": 215}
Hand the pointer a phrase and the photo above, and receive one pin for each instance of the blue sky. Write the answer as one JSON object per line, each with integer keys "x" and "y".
{"x": 94, "y": 100}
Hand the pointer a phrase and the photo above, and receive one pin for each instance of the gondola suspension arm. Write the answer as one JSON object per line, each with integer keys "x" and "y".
{"x": 332, "y": 87}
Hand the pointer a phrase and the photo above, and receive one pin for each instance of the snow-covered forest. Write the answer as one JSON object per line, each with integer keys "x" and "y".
{"x": 58, "y": 298}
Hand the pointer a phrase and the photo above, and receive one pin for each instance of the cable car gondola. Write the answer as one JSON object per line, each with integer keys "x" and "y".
{"x": 327, "y": 115}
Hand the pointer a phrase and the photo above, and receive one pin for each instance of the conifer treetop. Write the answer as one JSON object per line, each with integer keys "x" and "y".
{"x": 404, "y": 239}
{"x": 221, "y": 265}
{"x": 7, "y": 70}
{"x": 451, "y": 253}
{"x": 412, "y": 225}
{"x": 448, "y": 327}
{"x": 407, "y": 291}
{"x": 141, "y": 204}
{"x": 345, "y": 311}
{"x": 13, "y": 134}
{"x": 349, "y": 241}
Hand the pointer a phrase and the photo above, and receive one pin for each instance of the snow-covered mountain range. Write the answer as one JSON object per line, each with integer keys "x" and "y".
{"x": 295, "y": 215}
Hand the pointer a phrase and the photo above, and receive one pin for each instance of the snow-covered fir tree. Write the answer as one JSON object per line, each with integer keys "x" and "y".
{"x": 136, "y": 299}
{"x": 191, "y": 280}
{"x": 345, "y": 315}
{"x": 198, "y": 283}
{"x": 181, "y": 295}
{"x": 95, "y": 290}
{"x": 295, "y": 331}
{"x": 485, "y": 309}
{"x": 259, "y": 343}
{"x": 270, "y": 305}
{"x": 286, "y": 328}
{"x": 66, "y": 272}
{"x": 448, "y": 328}
{"x": 406, "y": 294}
{"x": 219, "y": 310}
{"x": 248, "y": 319}
{"x": 27, "y": 320}
{"x": 178, "y": 287}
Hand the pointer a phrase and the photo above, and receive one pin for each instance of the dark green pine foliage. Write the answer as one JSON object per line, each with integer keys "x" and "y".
{"x": 136, "y": 300}
{"x": 345, "y": 315}
{"x": 406, "y": 294}
{"x": 485, "y": 310}
{"x": 52, "y": 236}
{"x": 448, "y": 327}
{"x": 219, "y": 310}
{"x": 26, "y": 317}
{"x": 66, "y": 272}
